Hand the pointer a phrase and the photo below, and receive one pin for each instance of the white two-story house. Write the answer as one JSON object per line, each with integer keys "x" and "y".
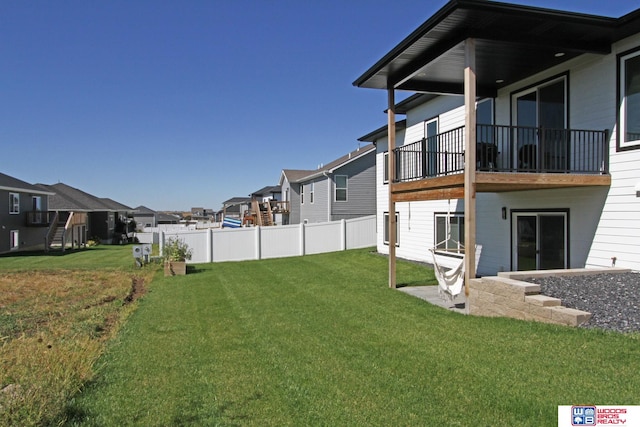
{"x": 521, "y": 134}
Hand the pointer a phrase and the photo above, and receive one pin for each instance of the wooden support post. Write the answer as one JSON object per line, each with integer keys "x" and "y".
{"x": 391, "y": 131}
{"x": 469, "y": 164}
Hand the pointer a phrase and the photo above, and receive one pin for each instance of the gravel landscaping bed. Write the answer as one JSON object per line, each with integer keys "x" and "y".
{"x": 613, "y": 299}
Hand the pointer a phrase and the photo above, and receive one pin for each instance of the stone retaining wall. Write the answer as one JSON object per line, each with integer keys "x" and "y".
{"x": 507, "y": 297}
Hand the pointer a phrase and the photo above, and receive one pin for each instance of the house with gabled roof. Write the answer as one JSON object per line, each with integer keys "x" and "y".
{"x": 144, "y": 217}
{"x": 342, "y": 189}
{"x": 24, "y": 216}
{"x": 523, "y": 137}
{"x": 88, "y": 216}
{"x": 267, "y": 207}
{"x": 234, "y": 207}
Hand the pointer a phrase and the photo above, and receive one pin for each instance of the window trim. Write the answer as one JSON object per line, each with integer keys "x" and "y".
{"x": 515, "y": 213}
{"x": 385, "y": 228}
{"x": 346, "y": 187}
{"x": 536, "y": 87}
{"x": 14, "y": 203}
{"x": 385, "y": 167}
{"x": 302, "y": 194}
{"x": 14, "y": 240}
{"x": 621, "y": 143}
{"x": 459, "y": 251}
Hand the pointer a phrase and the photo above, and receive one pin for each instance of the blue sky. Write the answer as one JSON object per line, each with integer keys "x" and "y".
{"x": 174, "y": 104}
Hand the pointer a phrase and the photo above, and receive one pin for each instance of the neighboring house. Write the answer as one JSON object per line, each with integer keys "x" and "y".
{"x": 546, "y": 173}
{"x": 202, "y": 214}
{"x": 290, "y": 182}
{"x": 344, "y": 188}
{"x": 145, "y": 217}
{"x": 99, "y": 218}
{"x": 234, "y": 208}
{"x": 166, "y": 218}
{"x": 24, "y": 219}
{"x": 125, "y": 226}
{"x": 267, "y": 207}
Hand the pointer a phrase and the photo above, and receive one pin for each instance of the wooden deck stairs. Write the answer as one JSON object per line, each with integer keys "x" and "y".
{"x": 262, "y": 213}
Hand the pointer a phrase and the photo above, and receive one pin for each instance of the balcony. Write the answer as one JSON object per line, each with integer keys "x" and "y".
{"x": 39, "y": 218}
{"x": 508, "y": 158}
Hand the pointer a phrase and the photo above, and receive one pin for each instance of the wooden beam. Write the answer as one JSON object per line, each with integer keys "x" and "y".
{"x": 532, "y": 181}
{"x": 448, "y": 181}
{"x": 391, "y": 137}
{"x": 451, "y": 186}
{"x": 469, "y": 164}
{"x": 433, "y": 194}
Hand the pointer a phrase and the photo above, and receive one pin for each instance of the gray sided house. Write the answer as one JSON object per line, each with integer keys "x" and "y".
{"x": 290, "y": 182}
{"x": 344, "y": 188}
{"x": 144, "y": 217}
{"x": 24, "y": 221}
{"x": 98, "y": 218}
{"x": 234, "y": 207}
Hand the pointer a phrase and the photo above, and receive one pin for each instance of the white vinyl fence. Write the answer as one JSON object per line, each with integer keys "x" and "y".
{"x": 240, "y": 244}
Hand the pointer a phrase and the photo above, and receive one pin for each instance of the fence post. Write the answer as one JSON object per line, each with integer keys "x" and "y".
{"x": 343, "y": 235}
{"x": 302, "y": 231}
{"x": 258, "y": 243}
{"x": 209, "y": 241}
{"x": 161, "y": 243}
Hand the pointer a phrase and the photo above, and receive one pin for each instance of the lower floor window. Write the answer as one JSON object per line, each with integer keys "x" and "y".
{"x": 386, "y": 229}
{"x": 14, "y": 242}
{"x": 449, "y": 233}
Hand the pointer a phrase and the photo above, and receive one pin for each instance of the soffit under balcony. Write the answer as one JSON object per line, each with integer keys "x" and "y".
{"x": 512, "y": 42}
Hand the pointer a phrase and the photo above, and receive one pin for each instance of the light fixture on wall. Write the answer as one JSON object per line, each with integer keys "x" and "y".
{"x": 637, "y": 189}
{"x": 504, "y": 212}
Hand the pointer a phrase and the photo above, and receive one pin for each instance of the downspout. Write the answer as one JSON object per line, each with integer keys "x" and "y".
{"x": 329, "y": 196}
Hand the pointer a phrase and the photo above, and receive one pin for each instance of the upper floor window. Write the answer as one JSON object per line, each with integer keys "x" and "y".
{"x": 341, "y": 188}
{"x": 311, "y": 190}
{"x": 629, "y": 133}
{"x": 302, "y": 194}
{"x": 14, "y": 203}
{"x": 385, "y": 173}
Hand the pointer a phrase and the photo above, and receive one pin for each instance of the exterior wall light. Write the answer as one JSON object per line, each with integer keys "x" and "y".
{"x": 504, "y": 212}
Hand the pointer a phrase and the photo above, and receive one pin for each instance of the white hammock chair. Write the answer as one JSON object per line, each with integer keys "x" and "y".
{"x": 451, "y": 281}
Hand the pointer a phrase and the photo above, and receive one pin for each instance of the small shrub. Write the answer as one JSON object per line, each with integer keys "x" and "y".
{"x": 176, "y": 250}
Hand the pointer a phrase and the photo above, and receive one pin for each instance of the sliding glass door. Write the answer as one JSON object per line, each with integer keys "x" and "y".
{"x": 540, "y": 240}
{"x": 541, "y": 116}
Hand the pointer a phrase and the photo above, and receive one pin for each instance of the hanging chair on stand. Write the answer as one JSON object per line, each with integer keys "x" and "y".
{"x": 451, "y": 281}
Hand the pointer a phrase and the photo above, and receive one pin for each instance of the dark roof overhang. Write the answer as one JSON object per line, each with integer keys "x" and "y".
{"x": 512, "y": 42}
{"x": 382, "y": 132}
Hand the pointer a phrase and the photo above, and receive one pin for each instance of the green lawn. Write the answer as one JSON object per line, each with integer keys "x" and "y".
{"x": 322, "y": 340}
{"x": 97, "y": 257}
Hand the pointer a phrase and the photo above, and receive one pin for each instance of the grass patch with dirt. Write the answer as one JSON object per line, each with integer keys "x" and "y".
{"x": 322, "y": 340}
{"x": 56, "y": 314}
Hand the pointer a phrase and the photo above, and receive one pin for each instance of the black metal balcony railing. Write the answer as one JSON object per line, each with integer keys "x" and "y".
{"x": 506, "y": 149}
{"x": 39, "y": 218}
